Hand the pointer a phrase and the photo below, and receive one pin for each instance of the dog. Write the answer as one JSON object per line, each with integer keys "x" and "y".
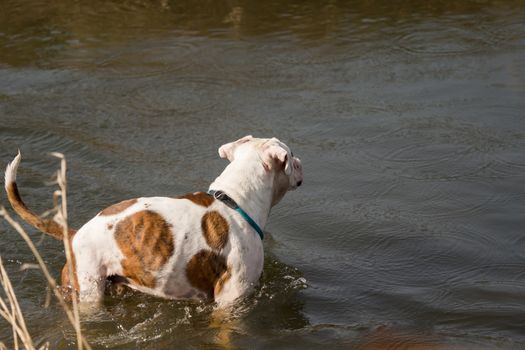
{"x": 202, "y": 245}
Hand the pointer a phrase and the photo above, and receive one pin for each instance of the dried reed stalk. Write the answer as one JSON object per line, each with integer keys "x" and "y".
{"x": 15, "y": 316}
{"x": 12, "y": 313}
{"x": 61, "y": 218}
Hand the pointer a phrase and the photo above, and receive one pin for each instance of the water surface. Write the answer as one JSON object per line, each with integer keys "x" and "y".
{"x": 408, "y": 117}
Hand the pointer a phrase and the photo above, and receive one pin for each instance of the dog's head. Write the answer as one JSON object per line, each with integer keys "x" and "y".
{"x": 274, "y": 156}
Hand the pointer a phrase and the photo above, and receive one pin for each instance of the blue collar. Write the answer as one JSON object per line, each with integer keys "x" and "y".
{"x": 223, "y": 197}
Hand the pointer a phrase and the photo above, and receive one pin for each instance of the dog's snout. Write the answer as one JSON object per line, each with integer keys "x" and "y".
{"x": 298, "y": 171}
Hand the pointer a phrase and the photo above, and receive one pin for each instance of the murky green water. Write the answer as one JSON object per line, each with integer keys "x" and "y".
{"x": 409, "y": 117}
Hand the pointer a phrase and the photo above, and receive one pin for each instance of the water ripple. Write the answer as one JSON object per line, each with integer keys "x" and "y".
{"x": 182, "y": 95}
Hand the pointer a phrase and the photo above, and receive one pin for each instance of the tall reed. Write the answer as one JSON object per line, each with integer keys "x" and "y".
{"x": 9, "y": 307}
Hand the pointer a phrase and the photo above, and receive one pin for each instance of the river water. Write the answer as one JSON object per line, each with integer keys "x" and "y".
{"x": 409, "y": 118}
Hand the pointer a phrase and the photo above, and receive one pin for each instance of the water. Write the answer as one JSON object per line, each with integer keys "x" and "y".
{"x": 408, "y": 117}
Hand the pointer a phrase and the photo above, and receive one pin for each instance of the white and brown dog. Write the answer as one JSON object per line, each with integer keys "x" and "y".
{"x": 195, "y": 246}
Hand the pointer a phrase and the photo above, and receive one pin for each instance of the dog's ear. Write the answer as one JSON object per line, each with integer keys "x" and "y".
{"x": 274, "y": 154}
{"x": 227, "y": 150}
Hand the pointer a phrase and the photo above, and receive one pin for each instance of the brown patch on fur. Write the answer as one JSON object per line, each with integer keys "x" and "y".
{"x": 68, "y": 286}
{"x": 146, "y": 240}
{"x": 200, "y": 198}
{"x": 48, "y": 226}
{"x": 204, "y": 271}
{"x": 110, "y": 226}
{"x": 215, "y": 229}
{"x": 225, "y": 277}
{"x": 118, "y": 208}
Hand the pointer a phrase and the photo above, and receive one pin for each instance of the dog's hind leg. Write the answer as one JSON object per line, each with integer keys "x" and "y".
{"x": 91, "y": 287}
{"x": 228, "y": 289}
{"x": 91, "y": 279}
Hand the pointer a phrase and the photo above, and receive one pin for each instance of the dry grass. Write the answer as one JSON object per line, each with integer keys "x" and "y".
{"x": 9, "y": 307}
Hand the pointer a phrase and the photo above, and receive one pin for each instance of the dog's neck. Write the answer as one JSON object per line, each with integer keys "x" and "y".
{"x": 250, "y": 185}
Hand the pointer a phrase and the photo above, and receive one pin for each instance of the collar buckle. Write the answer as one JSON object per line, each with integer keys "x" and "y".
{"x": 223, "y": 197}
{"x": 229, "y": 202}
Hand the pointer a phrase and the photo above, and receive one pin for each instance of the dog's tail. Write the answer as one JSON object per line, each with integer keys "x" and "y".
{"x": 48, "y": 226}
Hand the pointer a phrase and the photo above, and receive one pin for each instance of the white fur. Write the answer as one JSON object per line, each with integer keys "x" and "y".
{"x": 245, "y": 179}
{"x": 10, "y": 171}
